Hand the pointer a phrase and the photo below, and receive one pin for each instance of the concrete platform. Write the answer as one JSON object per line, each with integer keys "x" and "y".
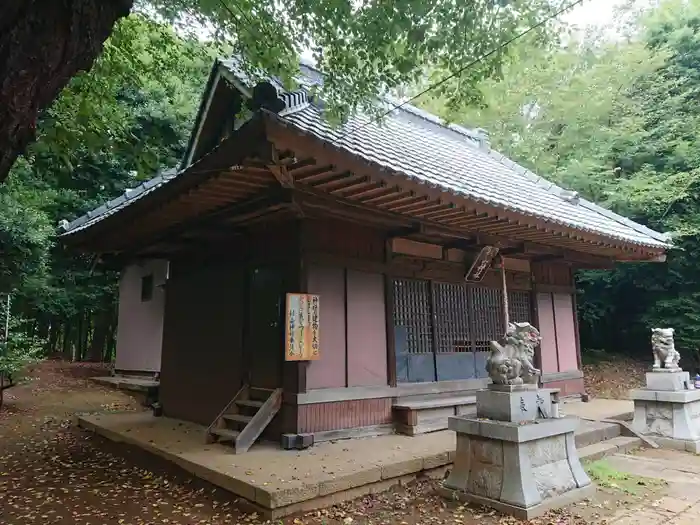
{"x": 599, "y": 408}
{"x": 142, "y": 388}
{"x": 279, "y": 482}
{"x": 136, "y": 384}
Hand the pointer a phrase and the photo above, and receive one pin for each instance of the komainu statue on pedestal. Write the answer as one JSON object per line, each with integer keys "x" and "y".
{"x": 511, "y": 363}
{"x": 665, "y": 353}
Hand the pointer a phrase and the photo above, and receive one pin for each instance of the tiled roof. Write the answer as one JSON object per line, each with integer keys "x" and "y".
{"x": 115, "y": 205}
{"x": 418, "y": 145}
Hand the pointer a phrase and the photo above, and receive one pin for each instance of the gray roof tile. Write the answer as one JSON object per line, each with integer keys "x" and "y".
{"x": 420, "y": 146}
{"x": 455, "y": 160}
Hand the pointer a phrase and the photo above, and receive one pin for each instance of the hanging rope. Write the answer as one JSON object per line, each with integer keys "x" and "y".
{"x": 506, "y": 319}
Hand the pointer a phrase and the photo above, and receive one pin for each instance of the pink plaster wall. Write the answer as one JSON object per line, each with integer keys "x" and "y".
{"x": 329, "y": 370}
{"x": 366, "y": 318}
{"x": 548, "y": 348}
{"x": 566, "y": 332}
{"x": 140, "y": 325}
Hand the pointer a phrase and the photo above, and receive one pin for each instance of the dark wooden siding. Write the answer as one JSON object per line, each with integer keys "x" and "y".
{"x": 201, "y": 366}
{"x": 343, "y": 239}
{"x": 552, "y": 274}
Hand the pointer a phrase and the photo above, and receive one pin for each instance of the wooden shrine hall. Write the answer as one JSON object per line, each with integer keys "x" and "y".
{"x": 369, "y": 230}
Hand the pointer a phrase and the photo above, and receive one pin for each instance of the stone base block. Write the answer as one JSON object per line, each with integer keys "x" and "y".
{"x": 521, "y": 513}
{"x": 668, "y": 381}
{"x": 672, "y": 415}
{"x": 515, "y": 406}
{"x": 679, "y": 444}
{"x": 517, "y": 468}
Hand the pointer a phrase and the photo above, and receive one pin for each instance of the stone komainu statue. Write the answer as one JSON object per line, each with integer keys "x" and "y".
{"x": 511, "y": 363}
{"x": 665, "y": 353}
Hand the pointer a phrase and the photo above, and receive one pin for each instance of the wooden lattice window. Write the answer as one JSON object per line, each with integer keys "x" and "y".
{"x": 466, "y": 317}
{"x": 452, "y": 323}
{"x": 487, "y": 307}
{"x": 412, "y": 311}
{"x": 519, "y": 306}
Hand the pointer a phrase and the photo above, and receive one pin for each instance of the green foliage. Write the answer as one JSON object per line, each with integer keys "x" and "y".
{"x": 111, "y": 128}
{"x": 365, "y": 47}
{"x": 616, "y": 120}
{"x": 18, "y": 351}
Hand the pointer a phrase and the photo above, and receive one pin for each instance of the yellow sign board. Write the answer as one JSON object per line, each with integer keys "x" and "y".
{"x": 302, "y": 340}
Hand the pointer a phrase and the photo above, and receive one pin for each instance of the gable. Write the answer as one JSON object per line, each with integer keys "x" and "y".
{"x": 221, "y": 112}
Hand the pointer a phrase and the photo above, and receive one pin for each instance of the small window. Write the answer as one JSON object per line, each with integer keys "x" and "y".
{"x": 146, "y": 288}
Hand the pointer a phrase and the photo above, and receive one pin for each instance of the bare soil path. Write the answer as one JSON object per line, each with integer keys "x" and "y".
{"x": 53, "y": 473}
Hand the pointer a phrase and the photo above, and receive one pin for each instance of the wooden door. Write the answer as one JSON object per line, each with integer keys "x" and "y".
{"x": 265, "y": 335}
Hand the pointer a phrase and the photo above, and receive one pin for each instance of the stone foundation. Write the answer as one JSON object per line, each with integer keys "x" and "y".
{"x": 672, "y": 418}
{"x": 514, "y": 456}
{"x": 522, "y": 469}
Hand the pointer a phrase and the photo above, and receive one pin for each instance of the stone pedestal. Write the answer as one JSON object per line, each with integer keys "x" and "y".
{"x": 515, "y": 460}
{"x": 668, "y": 410}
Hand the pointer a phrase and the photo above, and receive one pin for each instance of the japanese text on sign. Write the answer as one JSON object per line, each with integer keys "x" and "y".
{"x": 302, "y": 341}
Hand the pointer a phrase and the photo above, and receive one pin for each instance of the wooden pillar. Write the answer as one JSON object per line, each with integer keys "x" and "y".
{"x": 389, "y": 304}
{"x": 534, "y": 313}
{"x": 576, "y": 327}
{"x": 294, "y": 372}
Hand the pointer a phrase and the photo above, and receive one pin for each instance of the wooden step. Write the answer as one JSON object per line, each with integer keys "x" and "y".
{"x": 249, "y": 403}
{"x": 420, "y": 403}
{"x": 261, "y": 404}
{"x": 259, "y": 394}
{"x": 238, "y": 418}
{"x": 225, "y": 434}
{"x": 422, "y": 414}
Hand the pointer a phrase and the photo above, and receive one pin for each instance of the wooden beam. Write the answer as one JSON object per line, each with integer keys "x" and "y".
{"x": 513, "y": 250}
{"x": 403, "y": 232}
{"x": 231, "y": 151}
{"x": 279, "y": 170}
{"x": 267, "y": 200}
{"x": 308, "y": 197}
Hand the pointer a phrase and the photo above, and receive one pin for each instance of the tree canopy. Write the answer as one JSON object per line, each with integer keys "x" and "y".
{"x": 364, "y": 47}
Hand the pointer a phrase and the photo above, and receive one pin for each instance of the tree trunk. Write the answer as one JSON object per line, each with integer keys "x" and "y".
{"x": 100, "y": 334}
{"x": 52, "y": 340}
{"x": 67, "y": 335}
{"x": 43, "y": 44}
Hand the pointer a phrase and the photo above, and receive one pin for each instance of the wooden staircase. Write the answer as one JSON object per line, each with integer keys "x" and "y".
{"x": 245, "y": 417}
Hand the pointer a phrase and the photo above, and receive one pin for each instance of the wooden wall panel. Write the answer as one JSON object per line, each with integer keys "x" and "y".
{"x": 329, "y": 370}
{"x": 343, "y": 414}
{"x": 552, "y": 274}
{"x": 140, "y": 326}
{"x": 366, "y": 321}
{"x": 548, "y": 349}
{"x": 566, "y": 332}
{"x": 567, "y": 387}
{"x": 202, "y": 339}
{"x": 343, "y": 239}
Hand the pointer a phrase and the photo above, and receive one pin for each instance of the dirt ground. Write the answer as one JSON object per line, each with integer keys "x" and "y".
{"x": 614, "y": 377}
{"x": 52, "y": 472}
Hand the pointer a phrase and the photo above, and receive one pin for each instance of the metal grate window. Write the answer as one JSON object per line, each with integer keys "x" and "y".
{"x": 412, "y": 311}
